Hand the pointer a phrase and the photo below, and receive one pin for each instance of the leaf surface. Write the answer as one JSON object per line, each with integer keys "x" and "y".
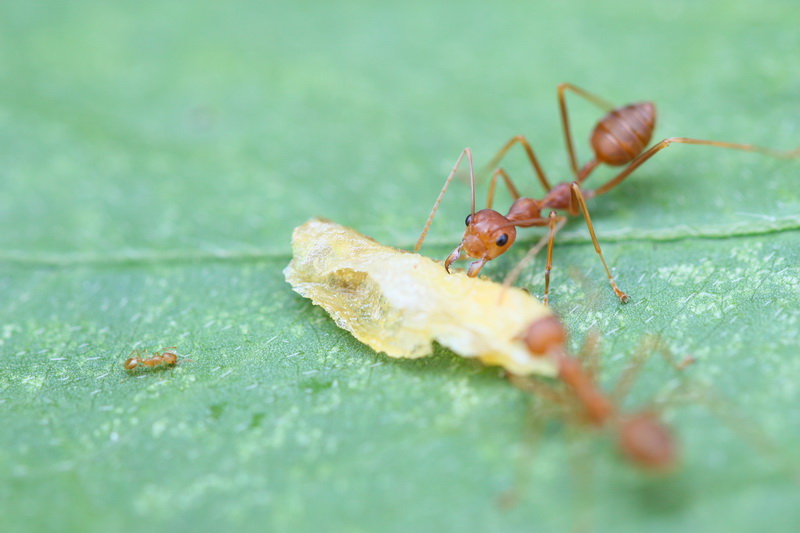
{"x": 156, "y": 158}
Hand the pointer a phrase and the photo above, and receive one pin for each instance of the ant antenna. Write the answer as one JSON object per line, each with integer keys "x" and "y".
{"x": 468, "y": 152}
{"x": 471, "y": 180}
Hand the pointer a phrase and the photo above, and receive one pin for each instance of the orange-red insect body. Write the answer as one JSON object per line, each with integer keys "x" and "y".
{"x": 642, "y": 438}
{"x": 620, "y": 138}
{"x": 167, "y": 357}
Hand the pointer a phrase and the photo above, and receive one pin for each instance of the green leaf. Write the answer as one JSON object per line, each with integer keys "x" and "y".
{"x": 156, "y": 157}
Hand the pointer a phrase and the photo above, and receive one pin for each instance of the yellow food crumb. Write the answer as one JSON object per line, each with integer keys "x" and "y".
{"x": 398, "y": 302}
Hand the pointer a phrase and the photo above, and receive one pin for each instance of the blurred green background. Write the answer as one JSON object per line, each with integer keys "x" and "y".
{"x": 156, "y": 156}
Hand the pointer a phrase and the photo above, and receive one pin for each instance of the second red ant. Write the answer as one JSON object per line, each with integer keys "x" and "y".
{"x": 619, "y": 138}
{"x": 641, "y": 437}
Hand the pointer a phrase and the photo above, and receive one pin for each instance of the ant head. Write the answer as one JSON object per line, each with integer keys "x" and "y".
{"x": 545, "y": 336}
{"x": 488, "y": 235}
{"x": 170, "y": 358}
{"x": 647, "y": 442}
{"x": 131, "y": 363}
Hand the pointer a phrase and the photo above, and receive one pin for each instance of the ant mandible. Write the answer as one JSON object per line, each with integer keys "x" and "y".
{"x": 619, "y": 138}
{"x": 167, "y": 357}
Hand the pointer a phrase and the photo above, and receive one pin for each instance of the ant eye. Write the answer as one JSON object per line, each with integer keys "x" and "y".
{"x": 468, "y": 220}
{"x": 502, "y": 240}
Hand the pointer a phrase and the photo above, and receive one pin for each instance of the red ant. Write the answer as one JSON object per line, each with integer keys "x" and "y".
{"x": 642, "y": 438}
{"x": 619, "y": 138}
{"x": 167, "y": 357}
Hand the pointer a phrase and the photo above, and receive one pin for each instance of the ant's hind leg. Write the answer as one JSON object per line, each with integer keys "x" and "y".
{"x": 562, "y": 104}
{"x": 653, "y": 150}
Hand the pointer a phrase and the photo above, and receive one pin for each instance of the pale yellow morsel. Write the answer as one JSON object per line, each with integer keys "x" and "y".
{"x": 398, "y": 302}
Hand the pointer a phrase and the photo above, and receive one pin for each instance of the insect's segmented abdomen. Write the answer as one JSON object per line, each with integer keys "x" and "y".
{"x": 624, "y": 133}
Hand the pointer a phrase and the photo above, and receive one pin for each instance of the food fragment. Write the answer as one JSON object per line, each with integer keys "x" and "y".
{"x": 398, "y": 302}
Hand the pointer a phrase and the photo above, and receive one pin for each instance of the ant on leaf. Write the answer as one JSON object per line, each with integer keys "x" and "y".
{"x": 142, "y": 358}
{"x": 619, "y": 138}
{"x": 641, "y": 437}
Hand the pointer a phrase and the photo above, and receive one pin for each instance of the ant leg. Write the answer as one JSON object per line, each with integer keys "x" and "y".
{"x": 557, "y": 404}
{"x": 140, "y": 354}
{"x": 587, "y": 169}
{"x": 468, "y": 153}
{"x": 535, "y": 386}
{"x": 562, "y": 104}
{"x": 590, "y": 354}
{"x": 636, "y": 163}
{"x": 171, "y": 351}
{"x": 577, "y": 196}
{"x": 625, "y": 382}
{"x": 671, "y": 359}
{"x": 533, "y": 428}
{"x": 648, "y": 345}
{"x": 551, "y": 237}
{"x": 556, "y": 224}
{"x": 493, "y": 184}
{"x": 531, "y": 156}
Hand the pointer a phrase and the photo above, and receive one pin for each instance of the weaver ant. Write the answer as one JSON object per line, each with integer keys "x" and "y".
{"x": 167, "y": 357}
{"x": 619, "y": 138}
{"x": 641, "y": 437}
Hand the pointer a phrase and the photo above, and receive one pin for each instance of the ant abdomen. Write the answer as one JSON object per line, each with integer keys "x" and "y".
{"x": 624, "y": 133}
{"x": 646, "y": 442}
